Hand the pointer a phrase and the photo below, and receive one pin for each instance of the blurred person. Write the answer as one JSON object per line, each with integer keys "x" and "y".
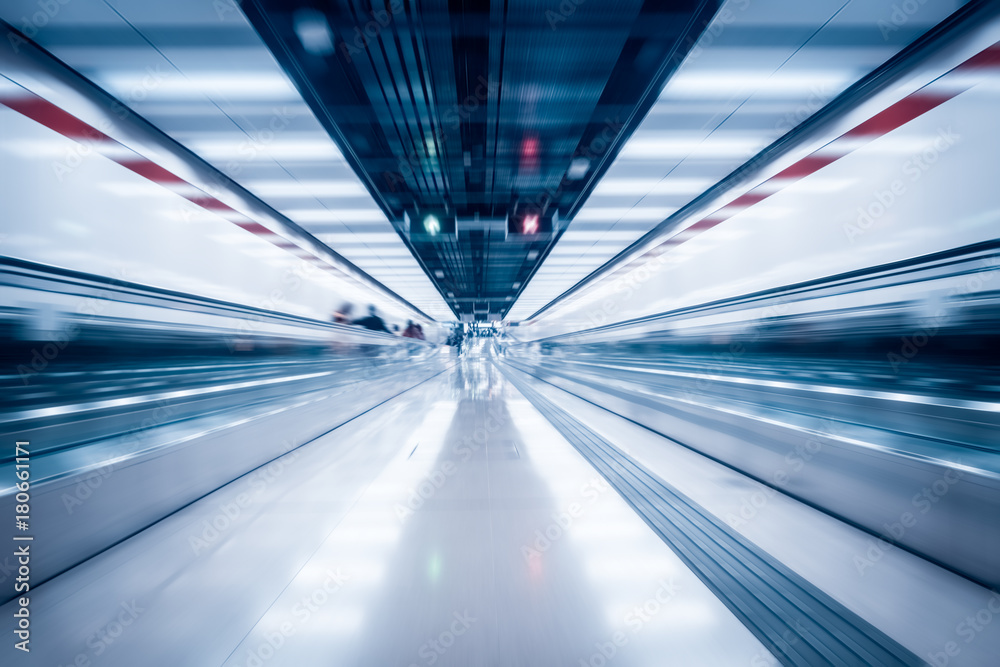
{"x": 343, "y": 314}
{"x": 455, "y": 340}
{"x": 372, "y": 322}
{"x": 413, "y": 330}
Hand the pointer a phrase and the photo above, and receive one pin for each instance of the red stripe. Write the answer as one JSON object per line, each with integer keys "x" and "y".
{"x": 899, "y": 114}
{"x": 656, "y": 250}
{"x": 151, "y": 171}
{"x": 807, "y": 165}
{"x": 254, "y": 227}
{"x": 749, "y": 199}
{"x": 210, "y": 203}
{"x": 54, "y": 118}
{"x": 987, "y": 58}
{"x": 707, "y": 223}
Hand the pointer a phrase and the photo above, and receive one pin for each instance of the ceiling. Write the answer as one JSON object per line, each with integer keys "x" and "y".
{"x": 606, "y": 120}
{"x": 480, "y": 113}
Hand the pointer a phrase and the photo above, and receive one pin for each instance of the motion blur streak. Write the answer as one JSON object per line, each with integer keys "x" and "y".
{"x": 499, "y": 333}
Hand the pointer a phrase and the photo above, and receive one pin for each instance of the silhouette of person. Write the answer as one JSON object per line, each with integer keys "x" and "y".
{"x": 372, "y": 321}
{"x": 343, "y": 314}
{"x": 413, "y": 331}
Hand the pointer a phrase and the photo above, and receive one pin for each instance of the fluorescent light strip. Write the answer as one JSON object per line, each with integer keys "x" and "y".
{"x": 665, "y": 145}
{"x": 361, "y": 237}
{"x": 347, "y": 216}
{"x": 319, "y": 149}
{"x": 618, "y": 187}
{"x": 174, "y": 85}
{"x": 724, "y": 85}
{"x": 614, "y": 214}
{"x": 599, "y": 236}
{"x": 274, "y": 188}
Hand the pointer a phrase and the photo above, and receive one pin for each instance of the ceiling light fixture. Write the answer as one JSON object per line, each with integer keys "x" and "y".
{"x": 578, "y": 168}
{"x": 313, "y": 31}
{"x": 531, "y": 223}
{"x": 432, "y": 225}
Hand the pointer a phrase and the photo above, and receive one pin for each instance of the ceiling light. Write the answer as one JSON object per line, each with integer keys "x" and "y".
{"x": 723, "y": 85}
{"x": 317, "y": 188}
{"x": 228, "y": 85}
{"x": 578, "y": 168}
{"x": 314, "y": 32}
{"x": 663, "y": 145}
{"x": 246, "y": 149}
{"x": 346, "y": 215}
{"x": 432, "y": 225}
{"x": 531, "y": 223}
{"x": 617, "y": 187}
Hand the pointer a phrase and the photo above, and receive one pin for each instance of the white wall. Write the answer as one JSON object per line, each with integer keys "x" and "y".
{"x": 68, "y": 206}
{"x": 943, "y": 166}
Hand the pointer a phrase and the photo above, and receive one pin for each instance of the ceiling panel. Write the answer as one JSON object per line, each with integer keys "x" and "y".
{"x": 480, "y": 111}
